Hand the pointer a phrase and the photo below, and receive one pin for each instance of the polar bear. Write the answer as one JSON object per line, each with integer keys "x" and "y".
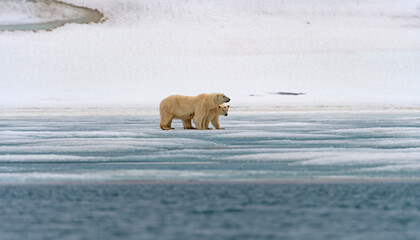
{"x": 213, "y": 117}
{"x": 181, "y": 107}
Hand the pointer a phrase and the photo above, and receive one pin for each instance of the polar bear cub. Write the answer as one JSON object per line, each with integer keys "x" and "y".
{"x": 181, "y": 107}
{"x": 214, "y": 116}
{"x": 221, "y": 110}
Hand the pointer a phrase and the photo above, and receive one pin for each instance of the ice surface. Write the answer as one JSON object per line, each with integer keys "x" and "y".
{"x": 267, "y": 146}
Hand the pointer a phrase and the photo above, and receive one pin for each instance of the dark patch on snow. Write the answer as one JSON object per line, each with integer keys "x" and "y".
{"x": 287, "y": 93}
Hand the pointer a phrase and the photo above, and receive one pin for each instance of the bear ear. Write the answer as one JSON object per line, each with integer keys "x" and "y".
{"x": 217, "y": 95}
{"x": 228, "y": 106}
{"x": 219, "y": 106}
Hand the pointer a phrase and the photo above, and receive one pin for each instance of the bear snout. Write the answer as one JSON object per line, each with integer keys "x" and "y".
{"x": 226, "y": 114}
{"x": 228, "y": 99}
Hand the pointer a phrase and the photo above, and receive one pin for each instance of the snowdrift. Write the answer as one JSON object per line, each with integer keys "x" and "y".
{"x": 337, "y": 54}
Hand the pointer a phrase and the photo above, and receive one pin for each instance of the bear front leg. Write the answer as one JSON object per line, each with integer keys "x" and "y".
{"x": 187, "y": 124}
{"x": 207, "y": 123}
{"x": 199, "y": 118}
{"x": 215, "y": 122}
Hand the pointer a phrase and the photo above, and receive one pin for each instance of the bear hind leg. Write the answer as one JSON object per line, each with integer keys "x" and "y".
{"x": 165, "y": 122}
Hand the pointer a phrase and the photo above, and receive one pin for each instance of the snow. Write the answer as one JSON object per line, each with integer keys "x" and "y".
{"x": 352, "y": 53}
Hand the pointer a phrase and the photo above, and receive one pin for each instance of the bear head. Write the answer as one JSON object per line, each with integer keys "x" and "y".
{"x": 220, "y": 98}
{"x": 223, "y": 109}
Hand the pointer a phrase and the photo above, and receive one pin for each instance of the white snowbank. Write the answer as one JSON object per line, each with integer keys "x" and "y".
{"x": 338, "y": 53}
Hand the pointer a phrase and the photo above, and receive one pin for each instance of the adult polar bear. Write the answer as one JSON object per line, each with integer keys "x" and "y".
{"x": 181, "y": 107}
